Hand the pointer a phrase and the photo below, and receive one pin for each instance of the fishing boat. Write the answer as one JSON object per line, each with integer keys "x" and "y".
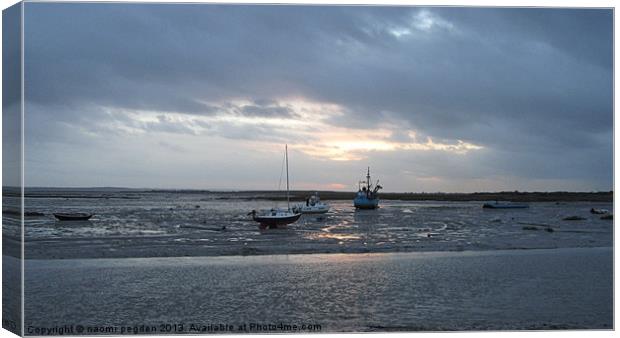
{"x": 498, "y": 205}
{"x": 276, "y": 218}
{"x": 74, "y": 216}
{"x": 313, "y": 205}
{"x": 367, "y": 196}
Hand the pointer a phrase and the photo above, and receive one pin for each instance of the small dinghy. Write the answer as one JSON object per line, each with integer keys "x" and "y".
{"x": 498, "y": 205}
{"x": 574, "y": 218}
{"x": 73, "y": 216}
{"x": 599, "y": 211}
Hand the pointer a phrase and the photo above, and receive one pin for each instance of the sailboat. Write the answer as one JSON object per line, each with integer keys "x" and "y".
{"x": 277, "y": 218}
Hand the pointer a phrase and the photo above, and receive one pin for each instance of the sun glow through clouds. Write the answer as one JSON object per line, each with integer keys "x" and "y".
{"x": 305, "y": 125}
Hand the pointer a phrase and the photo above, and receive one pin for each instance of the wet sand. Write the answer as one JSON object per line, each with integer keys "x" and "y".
{"x": 138, "y": 223}
{"x": 490, "y": 290}
{"x": 193, "y": 227}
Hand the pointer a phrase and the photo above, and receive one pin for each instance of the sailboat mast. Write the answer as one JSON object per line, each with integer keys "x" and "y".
{"x": 288, "y": 202}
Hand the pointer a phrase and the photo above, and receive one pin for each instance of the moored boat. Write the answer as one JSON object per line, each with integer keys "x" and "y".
{"x": 277, "y": 218}
{"x": 498, "y": 205}
{"x": 599, "y": 211}
{"x": 367, "y": 196}
{"x": 313, "y": 205}
{"x": 74, "y": 216}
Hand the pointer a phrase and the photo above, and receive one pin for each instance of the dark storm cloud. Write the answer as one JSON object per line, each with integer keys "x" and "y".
{"x": 532, "y": 85}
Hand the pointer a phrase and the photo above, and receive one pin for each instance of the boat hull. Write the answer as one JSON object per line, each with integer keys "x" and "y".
{"x": 366, "y": 203}
{"x": 73, "y": 217}
{"x": 275, "y": 222}
{"x": 504, "y": 206}
{"x": 313, "y": 209}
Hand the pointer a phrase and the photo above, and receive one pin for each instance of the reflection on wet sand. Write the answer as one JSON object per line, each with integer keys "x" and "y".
{"x": 202, "y": 224}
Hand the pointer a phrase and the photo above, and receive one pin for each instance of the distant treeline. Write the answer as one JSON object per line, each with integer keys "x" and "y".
{"x": 300, "y": 195}
{"x": 515, "y": 196}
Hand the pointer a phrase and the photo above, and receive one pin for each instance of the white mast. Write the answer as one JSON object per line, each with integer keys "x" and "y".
{"x": 288, "y": 203}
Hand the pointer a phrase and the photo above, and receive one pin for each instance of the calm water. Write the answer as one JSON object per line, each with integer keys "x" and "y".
{"x": 142, "y": 224}
{"x": 516, "y": 289}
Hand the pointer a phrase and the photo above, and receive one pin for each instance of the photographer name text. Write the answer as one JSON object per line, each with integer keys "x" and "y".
{"x": 75, "y": 329}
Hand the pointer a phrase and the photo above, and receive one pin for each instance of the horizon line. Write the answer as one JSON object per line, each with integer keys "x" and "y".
{"x": 309, "y": 190}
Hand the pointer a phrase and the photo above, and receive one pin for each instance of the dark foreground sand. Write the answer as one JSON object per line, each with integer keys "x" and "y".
{"x": 492, "y": 290}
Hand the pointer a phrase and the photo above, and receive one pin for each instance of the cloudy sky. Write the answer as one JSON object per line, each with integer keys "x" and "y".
{"x": 206, "y": 96}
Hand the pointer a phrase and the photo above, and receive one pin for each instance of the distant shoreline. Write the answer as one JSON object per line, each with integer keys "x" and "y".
{"x": 300, "y": 195}
{"x": 484, "y": 196}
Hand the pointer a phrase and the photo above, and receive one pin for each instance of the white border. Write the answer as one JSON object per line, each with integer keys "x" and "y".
{"x": 470, "y": 3}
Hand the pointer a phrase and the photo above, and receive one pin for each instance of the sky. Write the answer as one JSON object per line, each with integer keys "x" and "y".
{"x": 451, "y": 99}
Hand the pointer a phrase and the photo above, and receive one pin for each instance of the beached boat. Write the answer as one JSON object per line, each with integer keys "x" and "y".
{"x": 574, "y": 218}
{"x": 313, "y": 205}
{"x": 277, "y": 218}
{"x": 498, "y": 205}
{"x": 74, "y": 216}
{"x": 367, "y": 196}
{"x": 599, "y": 211}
